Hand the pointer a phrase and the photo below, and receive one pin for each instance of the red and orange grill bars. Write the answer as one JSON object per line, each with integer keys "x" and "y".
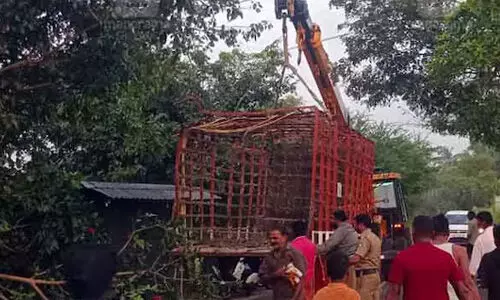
{"x": 239, "y": 173}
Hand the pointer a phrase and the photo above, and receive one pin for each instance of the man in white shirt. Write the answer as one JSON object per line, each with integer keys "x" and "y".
{"x": 485, "y": 242}
{"x": 472, "y": 232}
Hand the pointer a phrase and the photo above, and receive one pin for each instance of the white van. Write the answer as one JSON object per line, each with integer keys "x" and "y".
{"x": 458, "y": 225}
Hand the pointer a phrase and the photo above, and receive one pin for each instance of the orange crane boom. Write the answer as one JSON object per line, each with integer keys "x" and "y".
{"x": 309, "y": 42}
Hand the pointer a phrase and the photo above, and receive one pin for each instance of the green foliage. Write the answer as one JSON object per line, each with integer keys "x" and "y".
{"x": 41, "y": 212}
{"x": 497, "y": 216}
{"x": 435, "y": 180}
{"x": 387, "y": 45}
{"x": 470, "y": 179}
{"x": 465, "y": 66}
{"x": 397, "y": 150}
{"x": 85, "y": 93}
{"x": 128, "y": 133}
{"x": 240, "y": 81}
{"x": 445, "y": 69}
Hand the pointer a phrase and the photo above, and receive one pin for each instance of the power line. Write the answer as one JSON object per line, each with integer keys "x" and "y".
{"x": 333, "y": 37}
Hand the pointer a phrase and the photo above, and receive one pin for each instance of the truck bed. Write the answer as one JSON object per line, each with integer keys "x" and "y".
{"x": 208, "y": 251}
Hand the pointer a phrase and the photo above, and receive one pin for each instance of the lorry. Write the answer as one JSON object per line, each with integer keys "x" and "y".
{"x": 391, "y": 209}
{"x": 391, "y": 216}
{"x": 273, "y": 167}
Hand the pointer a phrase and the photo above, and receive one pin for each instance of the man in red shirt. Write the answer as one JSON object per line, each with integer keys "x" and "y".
{"x": 308, "y": 250}
{"x": 423, "y": 270}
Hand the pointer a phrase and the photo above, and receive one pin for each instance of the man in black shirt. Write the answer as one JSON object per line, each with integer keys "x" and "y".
{"x": 489, "y": 269}
{"x": 88, "y": 270}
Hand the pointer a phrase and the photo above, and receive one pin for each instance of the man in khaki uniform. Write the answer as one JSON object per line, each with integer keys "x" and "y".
{"x": 367, "y": 260}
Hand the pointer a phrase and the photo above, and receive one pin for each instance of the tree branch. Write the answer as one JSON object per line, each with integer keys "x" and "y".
{"x": 31, "y": 280}
{"x": 36, "y": 86}
{"x": 33, "y": 283}
{"x": 133, "y": 234}
{"x": 44, "y": 59}
{"x": 39, "y": 291}
{"x": 20, "y": 64}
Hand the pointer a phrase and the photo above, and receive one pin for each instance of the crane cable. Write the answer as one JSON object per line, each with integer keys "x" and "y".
{"x": 288, "y": 65}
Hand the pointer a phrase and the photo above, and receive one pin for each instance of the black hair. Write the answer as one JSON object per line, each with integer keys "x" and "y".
{"x": 364, "y": 219}
{"x": 88, "y": 270}
{"x": 340, "y": 215}
{"x": 496, "y": 232}
{"x": 281, "y": 229}
{"x": 471, "y": 215}
{"x": 299, "y": 228}
{"x": 486, "y": 217}
{"x": 423, "y": 226}
{"x": 441, "y": 224}
{"x": 336, "y": 265}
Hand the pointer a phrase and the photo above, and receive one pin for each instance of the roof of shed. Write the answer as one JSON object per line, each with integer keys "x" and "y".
{"x": 139, "y": 191}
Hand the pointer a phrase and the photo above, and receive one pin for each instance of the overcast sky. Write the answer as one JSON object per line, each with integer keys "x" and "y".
{"x": 329, "y": 20}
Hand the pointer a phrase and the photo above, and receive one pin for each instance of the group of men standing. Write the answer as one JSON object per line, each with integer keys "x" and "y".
{"x": 429, "y": 269}
{"x": 434, "y": 268}
{"x": 352, "y": 259}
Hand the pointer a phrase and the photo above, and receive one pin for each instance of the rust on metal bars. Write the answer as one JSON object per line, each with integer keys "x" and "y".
{"x": 314, "y": 172}
{"x": 335, "y": 173}
{"x": 240, "y": 173}
{"x": 212, "y": 191}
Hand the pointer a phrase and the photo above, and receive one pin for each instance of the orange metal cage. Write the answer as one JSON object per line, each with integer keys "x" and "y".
{"x": 240, "y": 173}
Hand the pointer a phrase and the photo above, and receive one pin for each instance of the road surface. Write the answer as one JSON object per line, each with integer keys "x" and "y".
{"x": 258, "y": 295}
{"x": 267, "y": 294}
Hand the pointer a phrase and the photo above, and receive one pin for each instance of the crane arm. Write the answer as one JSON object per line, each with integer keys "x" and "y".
{"x": 309, "y": 42}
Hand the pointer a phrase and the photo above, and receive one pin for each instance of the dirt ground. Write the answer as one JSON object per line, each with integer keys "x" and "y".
{"x": 259, "y": 295}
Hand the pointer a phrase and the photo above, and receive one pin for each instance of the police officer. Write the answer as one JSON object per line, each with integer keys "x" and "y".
{"x": 367, "y": 259}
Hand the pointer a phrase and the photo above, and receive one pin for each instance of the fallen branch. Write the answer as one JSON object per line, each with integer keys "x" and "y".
{"x": 33, "y": 283}
{"x": 133, "y": 234}
{"x": 31, "y": 280}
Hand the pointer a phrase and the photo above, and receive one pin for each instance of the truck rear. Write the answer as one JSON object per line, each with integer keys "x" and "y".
{"x": 391, "y": 216}
{"x": 261, "y": 169}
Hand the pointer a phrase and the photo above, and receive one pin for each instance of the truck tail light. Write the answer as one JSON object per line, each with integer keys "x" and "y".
{"x": 399, "y": 226}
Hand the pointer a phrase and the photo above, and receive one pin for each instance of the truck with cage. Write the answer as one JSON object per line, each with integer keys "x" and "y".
{"x": 271, "y": 167}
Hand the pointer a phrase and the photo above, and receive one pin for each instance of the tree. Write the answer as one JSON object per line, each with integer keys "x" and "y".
{"x": 435, "y": 180}
{"x": 126, "y": 132}
{"x": 443, "y": 155}
{"x": 396, "y": 150}
{"x": 410, "y": 51}
{"x": 388, "y": 43}
{"x": 290, "y": 100}
{"x": 130, "y": 132}
{"x": 80, "y": 48}
{"x": 84, "y": 93}
{"x": 470, "y": 180}
{"x": 240, "y": 81}
{"x": 465, "y": 66}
